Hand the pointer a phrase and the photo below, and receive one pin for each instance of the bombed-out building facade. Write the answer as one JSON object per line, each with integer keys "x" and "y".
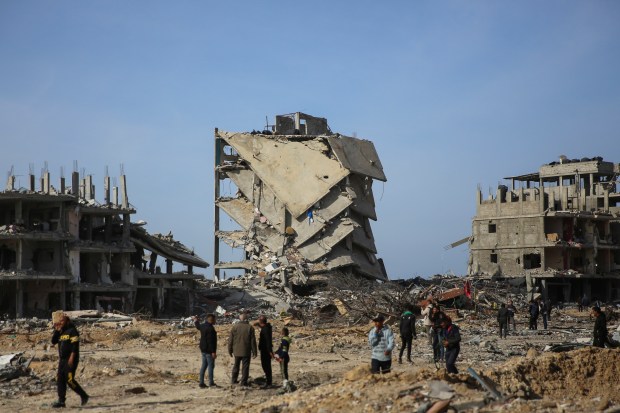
{"x": 558, "y": 227}
{"x": 62, "y": 249}
{"x": 303, "y": 204}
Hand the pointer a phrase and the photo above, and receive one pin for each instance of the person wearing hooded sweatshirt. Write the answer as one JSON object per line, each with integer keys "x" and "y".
{"x": 407, "y": 333}
{"x": 68, "y": 340}
{"x": 452, "y": 343}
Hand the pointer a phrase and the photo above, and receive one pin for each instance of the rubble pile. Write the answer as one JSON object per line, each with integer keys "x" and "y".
{"x": 570, "y": 375}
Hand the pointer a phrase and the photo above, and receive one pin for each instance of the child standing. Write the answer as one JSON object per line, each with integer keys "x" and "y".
{"x": 282, "y": 355}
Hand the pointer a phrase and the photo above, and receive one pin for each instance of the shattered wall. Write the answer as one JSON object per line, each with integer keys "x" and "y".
{"x": 304, "y": 201}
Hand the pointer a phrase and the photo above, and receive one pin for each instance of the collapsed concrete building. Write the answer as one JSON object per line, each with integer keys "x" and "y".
{"x": 61, "y": 249}
{"x": 304, "y": 201}
{"x": 558, "y": 227}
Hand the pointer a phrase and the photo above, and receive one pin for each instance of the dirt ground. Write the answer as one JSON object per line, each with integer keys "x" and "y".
{"x": 153, "y": 367}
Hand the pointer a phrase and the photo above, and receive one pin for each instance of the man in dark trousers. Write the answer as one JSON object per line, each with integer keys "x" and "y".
{"x": 452, "y": 343}
{"x": 544, "y": 311}
{"x": 407, "y": 333}
{"x": 502, "y": 319}
{"x": 242, "y": 345}
{"x": 600, "y": 328}
{"x": 265, "y": 345}
{"x": 68, "y": 340}
{"x": 511, "y": 315}
{"x": 208, "y": 348}
{"x": 534, "y": 311}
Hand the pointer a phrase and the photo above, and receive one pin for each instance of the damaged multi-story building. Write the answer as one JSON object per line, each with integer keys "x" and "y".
{"x": 303, "y": 203}
{"x": 62, "y": 249}
{"x": 558, "y": 227}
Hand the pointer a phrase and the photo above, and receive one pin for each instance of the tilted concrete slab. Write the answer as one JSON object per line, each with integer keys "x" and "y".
{"x": 289, "y": 168}
{"x": 339, "y": 257}
{"x": 367, "y": 264}
{"x": 331, "y": 206}
{"x": 360, "y": 191}
{"x": 261, "y": 196}
{"x": 361, "y": 238}
{"x": 234, "y": 239}
{"x": 332, "y": 236}
{"x": 244, "y": 181}
{"x": 269, "y": 237}
{"x": 239, "y": 209}
{"x": 357, "y": 155}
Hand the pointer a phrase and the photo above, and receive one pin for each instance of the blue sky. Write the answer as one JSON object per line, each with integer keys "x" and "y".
{"x": 454, "y": 94}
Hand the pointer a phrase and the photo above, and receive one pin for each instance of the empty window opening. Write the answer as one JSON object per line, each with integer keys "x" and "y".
{"x": 492, "y": 228}
{"x": 494, "y": 258}
{"x": 531, "y": 261}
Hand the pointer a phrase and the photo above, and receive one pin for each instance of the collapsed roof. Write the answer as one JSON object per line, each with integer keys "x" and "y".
{"x": 304, "y": 201}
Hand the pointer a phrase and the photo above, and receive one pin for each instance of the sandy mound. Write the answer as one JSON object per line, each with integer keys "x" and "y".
{"x": 589, "y": 371}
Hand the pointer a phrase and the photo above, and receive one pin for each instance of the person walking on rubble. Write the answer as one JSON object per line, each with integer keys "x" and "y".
{"x": 502, "y": 319}
{"x": 534, "y": 311}
{"x": 600, "y": 328}
{"x": 511, "y": 316}
{"x": 428, "y": 324}
{"x": 208, "y": 349}
{"x": 407, "y": 333}
{"x": 544, "y": 311}
{"x": 283, "y": 356}
{"x": 68, "y": 340}
{"x": 242, "y": 345}
{"x": 584, "y": 302}
{"x": 265, "y": 345}
{"x": 381, "y": 341}
{"x": 452, "y": 343}
{"x": 436, "y": 317}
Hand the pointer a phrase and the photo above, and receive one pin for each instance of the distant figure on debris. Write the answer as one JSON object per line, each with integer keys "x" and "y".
{"x": 600, "y": 328}
{"x": 452, "y": 343}
{"x": 241, "y": 345}
{"x": 381, "y": 341}
{"x": 208, "y": 348}
{"x": 282, "y": 355}
{"x": 68, "y": 340}
{"x": 437, "y": 317}
{"x": 544, "y": 310}
{"x": 502, "y": 319}
{"x": 511, "y": 315}
{"x": 407, "y": 333}
{"x": 265, "y": 345}
{"x": 585, "y": 302}
{"x": 534, "y": 311}
{"x": 428, "y": 324}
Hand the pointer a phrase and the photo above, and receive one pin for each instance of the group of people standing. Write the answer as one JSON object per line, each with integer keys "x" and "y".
{"x": 443, "y": 336}
{"x": 242, "y": 347}
{"x": 536, "y": 309}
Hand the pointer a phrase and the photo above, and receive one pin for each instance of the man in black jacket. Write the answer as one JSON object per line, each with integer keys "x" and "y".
{"x": 452, "y": 343}
{"x": 502, "y": 319}
{"x": 265, "y": 345}
{"x": 208, "y": 348}
{"x": 600, "y": 328}
{"x": 68, "y": 340}
{"x": 407, "y": 333}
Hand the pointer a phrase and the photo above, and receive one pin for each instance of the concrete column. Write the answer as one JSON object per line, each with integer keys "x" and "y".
{"x": 75, "y": 184}
{"x": 63, "y": 295}
{"x": 190, "y": 269}
{"x": 88, "y": 187}
{"x": 19, "y": 300}
{"x": 31, "y": 186}
{"x": 606, "y": 200}
{"x": 106, "y": 190}
{"x": 124, "y": 197}
{"x": 76, "y": 300}
{"x": 108, "y": 229}
{"x": 19, "y": 219}
{"x": 152, "y": 263}
{"x": 46, "y": 183}
{"x": 190, "y": 297}
{"x": 19, "y": 255}
{"x": 168, "y": 266}
{"x": 126, "y": 228}
{"x": 115, "y": 196}
{"x": 62, "y": 185}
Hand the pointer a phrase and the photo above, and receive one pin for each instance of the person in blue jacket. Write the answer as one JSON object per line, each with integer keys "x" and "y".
{"x": 381, "y": 341}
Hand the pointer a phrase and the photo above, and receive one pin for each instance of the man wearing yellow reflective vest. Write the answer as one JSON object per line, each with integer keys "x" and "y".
{"x": 68, "y": 340}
